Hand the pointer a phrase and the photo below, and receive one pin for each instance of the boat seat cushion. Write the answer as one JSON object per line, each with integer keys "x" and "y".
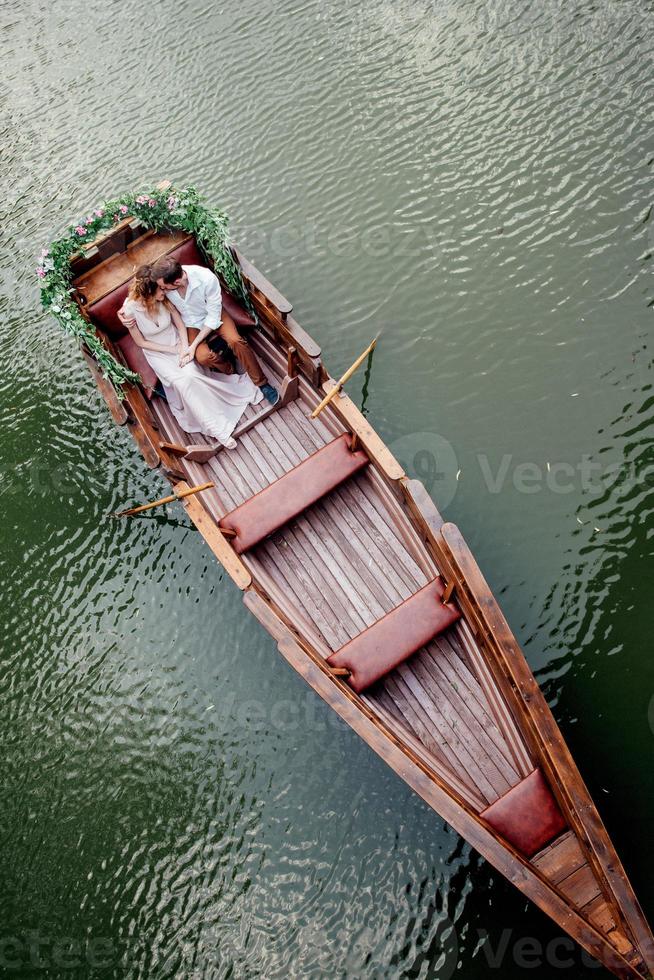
{"x": 527, "y": 816}
{"x": 293, "y": 493}
{"x": 104, "y": 311}
{"x": 104, "y": 314}
{"x": 137, "y": 361}
{"x": 396, "y": 636}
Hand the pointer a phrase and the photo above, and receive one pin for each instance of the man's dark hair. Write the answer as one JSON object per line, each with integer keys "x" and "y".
{"x": 167, "y": 269}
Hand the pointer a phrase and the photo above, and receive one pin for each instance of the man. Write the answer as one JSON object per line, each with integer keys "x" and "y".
{"x": 195, "y": 292}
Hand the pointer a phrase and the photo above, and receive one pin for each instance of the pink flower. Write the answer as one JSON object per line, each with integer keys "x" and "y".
{"x": 40, "y": 272}
{"x": 124, "y": 209}
{"x": 98, "y": 212}
{"x": 81, "y": 230}
{"x": 152, "y": 202}
{"x": 116, "y": 217}
{"x": 89, "y": 220}
{"x": 142, "y": 199}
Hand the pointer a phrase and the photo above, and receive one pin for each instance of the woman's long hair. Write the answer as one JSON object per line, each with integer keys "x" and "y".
{"x": 143, "y": 288}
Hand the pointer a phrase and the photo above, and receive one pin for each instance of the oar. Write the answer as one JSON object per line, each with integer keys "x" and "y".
{"x": 163, "y": 500}
{"x": 348, "y": 374}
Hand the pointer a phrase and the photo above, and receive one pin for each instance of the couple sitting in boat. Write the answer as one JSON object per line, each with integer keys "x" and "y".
{"x": 174, "y": 313}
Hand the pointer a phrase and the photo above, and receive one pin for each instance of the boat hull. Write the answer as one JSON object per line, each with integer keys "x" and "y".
{"x": 371, "y": 544}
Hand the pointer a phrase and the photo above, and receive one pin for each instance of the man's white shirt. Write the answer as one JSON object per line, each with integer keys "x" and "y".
{"x": 202, "y": 305}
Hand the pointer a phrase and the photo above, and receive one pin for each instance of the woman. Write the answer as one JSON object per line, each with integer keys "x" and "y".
{"x": 200, "y": 400}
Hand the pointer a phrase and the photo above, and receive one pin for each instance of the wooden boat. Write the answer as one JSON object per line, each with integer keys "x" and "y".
{"x": 377, "y": 603}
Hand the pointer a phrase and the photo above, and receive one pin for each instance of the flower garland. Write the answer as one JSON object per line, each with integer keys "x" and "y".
{"x": 161, "y": 209}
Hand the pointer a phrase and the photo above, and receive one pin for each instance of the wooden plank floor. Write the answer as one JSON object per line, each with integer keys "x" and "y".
{"x": 564, "y": 864}
{"x": 341, "y": 566}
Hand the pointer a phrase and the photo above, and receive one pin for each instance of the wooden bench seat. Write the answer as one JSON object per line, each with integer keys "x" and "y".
{"x": 395, "y": 637}
{"x": 293, "y": 493}
{"x": 103, "y": 310}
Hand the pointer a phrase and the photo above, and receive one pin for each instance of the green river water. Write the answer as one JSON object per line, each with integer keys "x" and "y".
{"x": 472, "y": 179}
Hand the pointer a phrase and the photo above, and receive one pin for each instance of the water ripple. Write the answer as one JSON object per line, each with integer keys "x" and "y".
{"x": 474, "y": 181}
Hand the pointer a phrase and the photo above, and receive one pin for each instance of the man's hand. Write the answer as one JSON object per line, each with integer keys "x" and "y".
{"x": 126, "y": 321}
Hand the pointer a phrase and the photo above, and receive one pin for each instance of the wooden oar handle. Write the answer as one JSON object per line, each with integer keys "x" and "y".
{"x": 164, "y": 500}
{"x": 341, "y": 381}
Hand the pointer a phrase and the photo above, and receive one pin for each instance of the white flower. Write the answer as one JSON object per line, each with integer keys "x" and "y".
{"x": 55, "y": 308}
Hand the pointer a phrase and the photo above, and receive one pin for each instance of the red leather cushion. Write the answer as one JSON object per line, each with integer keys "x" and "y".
{"x": 394, "y": 637}
{"x": 188, "y": 253}
{"x": 527, "y": 816}
{"x": 103, "y": 312}
{"x": 298, "y": 489}
{"x": 137, "y": 362}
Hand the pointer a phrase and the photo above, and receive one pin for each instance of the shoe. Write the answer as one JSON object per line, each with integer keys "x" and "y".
{"x": 270, "y": 393}
{"x": 230, "y": 444}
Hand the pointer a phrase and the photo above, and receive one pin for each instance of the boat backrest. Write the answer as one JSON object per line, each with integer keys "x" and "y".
{"x": 293, "y": 493}
{"x": 103, "y": 313}
{"x": 527, "y": 815}
{"x": 395, "y": 637}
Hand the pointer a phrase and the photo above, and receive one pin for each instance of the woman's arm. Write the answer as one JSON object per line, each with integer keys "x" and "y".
{"x": 186, "y": 352}
{"x": 130, "y": 319}
{"x": 140, "y": 341}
